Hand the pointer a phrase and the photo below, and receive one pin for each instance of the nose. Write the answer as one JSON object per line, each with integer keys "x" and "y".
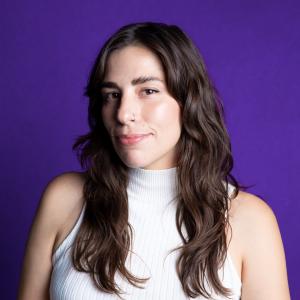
{"x": 127, "y": 110}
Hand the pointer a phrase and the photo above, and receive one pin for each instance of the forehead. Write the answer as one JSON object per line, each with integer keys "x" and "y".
{"x": 133, "y": 61}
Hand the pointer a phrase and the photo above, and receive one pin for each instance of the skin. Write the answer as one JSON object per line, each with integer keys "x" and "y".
{"x": 156, "y": 112}
{"x": 256, "y": 246}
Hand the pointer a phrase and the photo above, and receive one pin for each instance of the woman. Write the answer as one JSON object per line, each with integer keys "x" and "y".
{"x": 156, "y": 214}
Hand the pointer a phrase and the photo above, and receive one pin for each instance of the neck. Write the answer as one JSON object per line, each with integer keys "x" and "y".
{"x": 153, "y": 186}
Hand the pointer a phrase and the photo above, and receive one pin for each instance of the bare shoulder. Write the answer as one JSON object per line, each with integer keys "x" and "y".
{"x": 246, "y": 206}
{"x": 257, "y": 233}
{"x": 64, "y": 198}
{"x": 62, "y": 194}
{"x": 65, "y": 190}
{"x": 60, "y": 204}
{"x": 253, "y": 219}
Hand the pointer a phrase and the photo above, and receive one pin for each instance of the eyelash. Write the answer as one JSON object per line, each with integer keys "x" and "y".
{"x": 105, "y": 96}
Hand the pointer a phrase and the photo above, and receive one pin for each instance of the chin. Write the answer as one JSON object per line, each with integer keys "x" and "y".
{"x": 136, "y": 161}
{"x": 144, "y": 165}
{"x": 137, "y": 165}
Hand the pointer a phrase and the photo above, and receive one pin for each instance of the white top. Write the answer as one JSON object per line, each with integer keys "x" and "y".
{"x": 152, "y": 216}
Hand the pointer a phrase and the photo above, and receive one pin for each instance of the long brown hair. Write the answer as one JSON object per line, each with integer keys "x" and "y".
{"x": 204, "y": 165}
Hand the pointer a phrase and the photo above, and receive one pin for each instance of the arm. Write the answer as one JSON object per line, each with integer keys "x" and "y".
{"x": 56, "y": 203}
{"x": 264, "y": 273}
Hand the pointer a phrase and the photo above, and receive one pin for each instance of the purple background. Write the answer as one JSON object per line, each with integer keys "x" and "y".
{"x": 251, "y": 49}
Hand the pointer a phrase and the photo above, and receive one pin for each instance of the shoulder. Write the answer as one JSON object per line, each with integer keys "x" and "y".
{"x": 257, "y": 232}
{"x": 246, "y": 206}
{"x": 71, "y": 181}
{"x": 60, "y": 202}
{"x": 64, "y": 190}
{"x": 64, "y": 187}
{"x": 253, "y": 217}
{"x": 61, "y": 199}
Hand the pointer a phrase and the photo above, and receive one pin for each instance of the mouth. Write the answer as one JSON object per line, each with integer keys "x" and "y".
{"x": 128, "y": 140}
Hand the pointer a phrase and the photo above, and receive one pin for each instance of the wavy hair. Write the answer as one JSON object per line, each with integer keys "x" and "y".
{"x": 204, "y": 165}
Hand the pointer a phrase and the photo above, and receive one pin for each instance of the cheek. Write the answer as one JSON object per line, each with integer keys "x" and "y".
{"x": 106, "y": 117}
{"x": 164, "y": 114}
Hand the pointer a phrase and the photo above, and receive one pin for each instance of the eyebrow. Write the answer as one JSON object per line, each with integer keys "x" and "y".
{"x": 135, "y": 81}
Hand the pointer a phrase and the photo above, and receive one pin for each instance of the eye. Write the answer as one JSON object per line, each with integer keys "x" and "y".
{"x": 108, "y": 96}
{"x": 150, "y": 91}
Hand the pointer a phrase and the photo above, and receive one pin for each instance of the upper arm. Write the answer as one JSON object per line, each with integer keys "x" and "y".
{"x": 58, "y": 198}
{"x": 264, "y": 274}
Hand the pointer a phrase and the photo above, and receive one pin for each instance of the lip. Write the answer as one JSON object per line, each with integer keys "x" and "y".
{"x": 131, "y": 139}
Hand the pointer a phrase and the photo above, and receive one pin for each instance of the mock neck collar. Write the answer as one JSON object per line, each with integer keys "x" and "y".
{"x": 154, "y": 186}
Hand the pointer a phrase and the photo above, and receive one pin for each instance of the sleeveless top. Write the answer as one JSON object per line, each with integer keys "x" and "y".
{"x": 154, "y": 234}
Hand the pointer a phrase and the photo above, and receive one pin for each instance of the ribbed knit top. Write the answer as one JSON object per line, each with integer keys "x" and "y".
{"x": 152, "y": 216}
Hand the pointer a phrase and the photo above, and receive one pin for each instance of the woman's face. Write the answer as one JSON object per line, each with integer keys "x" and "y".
{"x": 141, "y": 117}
